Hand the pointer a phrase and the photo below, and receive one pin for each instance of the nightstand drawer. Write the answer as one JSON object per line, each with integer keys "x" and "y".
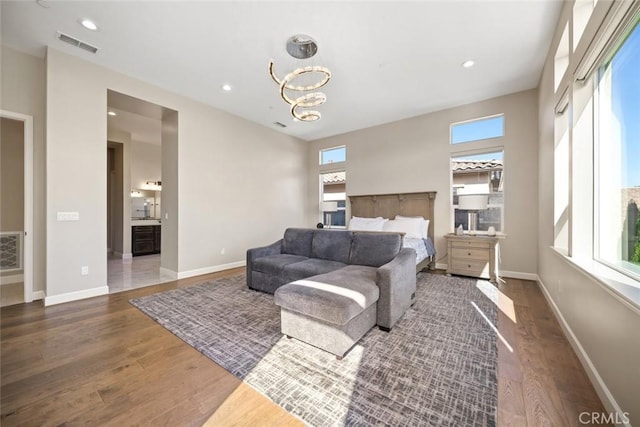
{"x": 470, "y": 268}
{"x": 473, "y": 243}
{"x": 470, "y": 253}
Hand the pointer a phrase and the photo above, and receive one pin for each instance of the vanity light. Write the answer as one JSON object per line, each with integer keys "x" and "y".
{"x": 112, "y": 113}
{"x": 468, "y": 63}
{"x": 89, "y": 24}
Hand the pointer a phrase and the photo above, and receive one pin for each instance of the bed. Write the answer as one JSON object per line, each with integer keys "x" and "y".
{"x": 404, "y": 204}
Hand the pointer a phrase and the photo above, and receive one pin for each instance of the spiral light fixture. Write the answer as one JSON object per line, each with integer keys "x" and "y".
{"x": 302, "y": 47}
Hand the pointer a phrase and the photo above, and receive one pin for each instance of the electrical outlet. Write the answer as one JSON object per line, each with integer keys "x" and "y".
{"x": 223, "y": 251}
{"x": 85, "y": 270}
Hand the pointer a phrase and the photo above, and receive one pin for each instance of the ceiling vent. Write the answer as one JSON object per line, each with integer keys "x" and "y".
{"x": 77, "y": 43}
{"x": 282, "y": 125}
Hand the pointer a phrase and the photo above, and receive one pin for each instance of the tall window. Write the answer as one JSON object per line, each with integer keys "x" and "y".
{"x": 333, "y": 186}
{"x": 480, "y": 174}
{"x": 333, "y": 155}
{"x": 333, "y": 198}
{"x": 475, "y": 130}
{"x": 617, "y": 154}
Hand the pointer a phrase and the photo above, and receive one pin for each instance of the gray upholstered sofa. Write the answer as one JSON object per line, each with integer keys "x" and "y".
{"x": 335, "y": 285}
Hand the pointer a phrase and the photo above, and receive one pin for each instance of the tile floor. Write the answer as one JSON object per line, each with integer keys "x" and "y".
{"x": 134, "y": 273}
{"x": 122, "y": 275}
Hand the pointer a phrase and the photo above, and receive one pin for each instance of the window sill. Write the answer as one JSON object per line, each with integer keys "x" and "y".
{"x": 624, "y": 288}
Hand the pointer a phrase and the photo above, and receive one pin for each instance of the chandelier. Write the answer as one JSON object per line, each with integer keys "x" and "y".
{"x": 297, "y": 94}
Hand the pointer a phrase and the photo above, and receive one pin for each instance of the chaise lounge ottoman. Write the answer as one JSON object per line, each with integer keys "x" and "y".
{"x": 330, "y": 311}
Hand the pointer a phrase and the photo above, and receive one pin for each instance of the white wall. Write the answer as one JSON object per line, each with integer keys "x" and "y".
{"x": 603, "y": 329}
{"x": 414, "y": 155}
{"x": 23, "y": 91}
{"x": 146, "y": 162}
{"x": 235, "y": 180}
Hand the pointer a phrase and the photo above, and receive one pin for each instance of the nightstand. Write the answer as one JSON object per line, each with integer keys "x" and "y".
{"x": 473, "y": 256}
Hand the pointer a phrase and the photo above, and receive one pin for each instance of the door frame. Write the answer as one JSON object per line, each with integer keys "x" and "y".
{"x": 27, "y": 265}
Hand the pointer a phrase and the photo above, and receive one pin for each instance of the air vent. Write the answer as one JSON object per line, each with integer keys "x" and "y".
{"x": 77, "y": 43}
{"x": 282, "y": 125}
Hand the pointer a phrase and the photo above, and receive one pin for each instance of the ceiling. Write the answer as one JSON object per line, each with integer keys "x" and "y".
{"x": 389, "y": 60}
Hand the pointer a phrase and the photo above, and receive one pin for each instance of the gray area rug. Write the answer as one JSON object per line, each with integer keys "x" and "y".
{"x": 436, "y": 367}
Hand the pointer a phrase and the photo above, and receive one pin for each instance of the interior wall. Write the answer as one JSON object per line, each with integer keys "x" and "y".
{"x": 110, "y": 197}
{"x": 122, "y": 140}
{"x": 118, "y": 198}
{"x": 235, "y": 179}
{"x": 170, "y": 192}
{"x": 22, "y": 78}
{"x": 146, "y": 162}
{"x": 604, "y": 330}
{"x": 11, "y": 175}
{"x": 414, "y": 155}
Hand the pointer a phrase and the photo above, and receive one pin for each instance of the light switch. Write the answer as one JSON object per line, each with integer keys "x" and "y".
{"x": 68, "y": 216}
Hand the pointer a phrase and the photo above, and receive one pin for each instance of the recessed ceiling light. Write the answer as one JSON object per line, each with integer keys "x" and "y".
{"x": 112, "y": 113}
{"x": 468, "y": 63}
{"x": 89, "y": 24}
{"x": 226, "y": 87}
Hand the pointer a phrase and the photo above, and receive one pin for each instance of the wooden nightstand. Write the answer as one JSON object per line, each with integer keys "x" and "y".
{"x": 473, "y": 256}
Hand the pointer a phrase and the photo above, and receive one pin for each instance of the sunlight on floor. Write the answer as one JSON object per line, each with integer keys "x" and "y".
{"x": 504, "y": 303}
{"x": 504, "y": 341}
{"x": 241, "y": 406}
{"x": 268, "y": 374}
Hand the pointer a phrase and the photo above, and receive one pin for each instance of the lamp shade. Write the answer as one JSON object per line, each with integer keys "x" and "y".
{"x": 472, "y": 202}
{"x": 329, "y": 206}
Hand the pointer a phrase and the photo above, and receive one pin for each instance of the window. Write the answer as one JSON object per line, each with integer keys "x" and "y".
{"x": 617, "y": 154}
{"x": 479, "y": 174}
{"x": 475, "y": 130}
{"x": 561, "y": 59}
{"x": 582, "y": 10}
{"x": 333, "y": 155}
{"x": 333, "y": 198}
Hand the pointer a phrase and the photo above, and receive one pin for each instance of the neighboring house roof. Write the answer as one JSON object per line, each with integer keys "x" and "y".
{"x": 334, "y": 178}
{"x": 476, "y": 165}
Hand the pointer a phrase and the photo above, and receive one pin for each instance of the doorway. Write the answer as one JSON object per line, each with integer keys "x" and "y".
{"x": 16, "y": 217}
{"x": 135, "y": 228}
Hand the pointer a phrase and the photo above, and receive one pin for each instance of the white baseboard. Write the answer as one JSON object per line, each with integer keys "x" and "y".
{"x": 173, "y": 275}
{"x": 601, "y": 388}
{"x": 213, "y": 269}
{"x": 77, "y": 295}
{"x": 37, "y": 295}
{"x": 122, "y": 255}
{"x": 518, "y": 275}
{"x": 9, "y": 280}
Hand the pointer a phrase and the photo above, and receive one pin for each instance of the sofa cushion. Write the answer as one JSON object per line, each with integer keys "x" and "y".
{"x": 311, "y": 267}
{"x": 333, "y": 245}
{"x": 297, "y": 241}
{"x": 335, "y": 297}
{"x": 374, "y": 249}
{"x": 274, "y": 264}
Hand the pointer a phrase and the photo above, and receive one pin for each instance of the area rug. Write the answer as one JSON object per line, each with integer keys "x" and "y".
{"x": 437, "y": 366}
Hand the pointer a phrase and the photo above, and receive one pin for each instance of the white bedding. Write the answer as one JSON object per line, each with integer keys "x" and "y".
{"x": 418, "y": 245}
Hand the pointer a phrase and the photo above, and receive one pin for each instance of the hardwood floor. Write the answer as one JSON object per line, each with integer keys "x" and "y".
{"x": 101, "y": 361}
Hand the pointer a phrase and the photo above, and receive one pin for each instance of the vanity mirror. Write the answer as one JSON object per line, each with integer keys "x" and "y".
{"x": 145, "y": 204}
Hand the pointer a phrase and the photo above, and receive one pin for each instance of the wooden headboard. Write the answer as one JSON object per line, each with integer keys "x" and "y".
{"x": 390, "y": 205}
